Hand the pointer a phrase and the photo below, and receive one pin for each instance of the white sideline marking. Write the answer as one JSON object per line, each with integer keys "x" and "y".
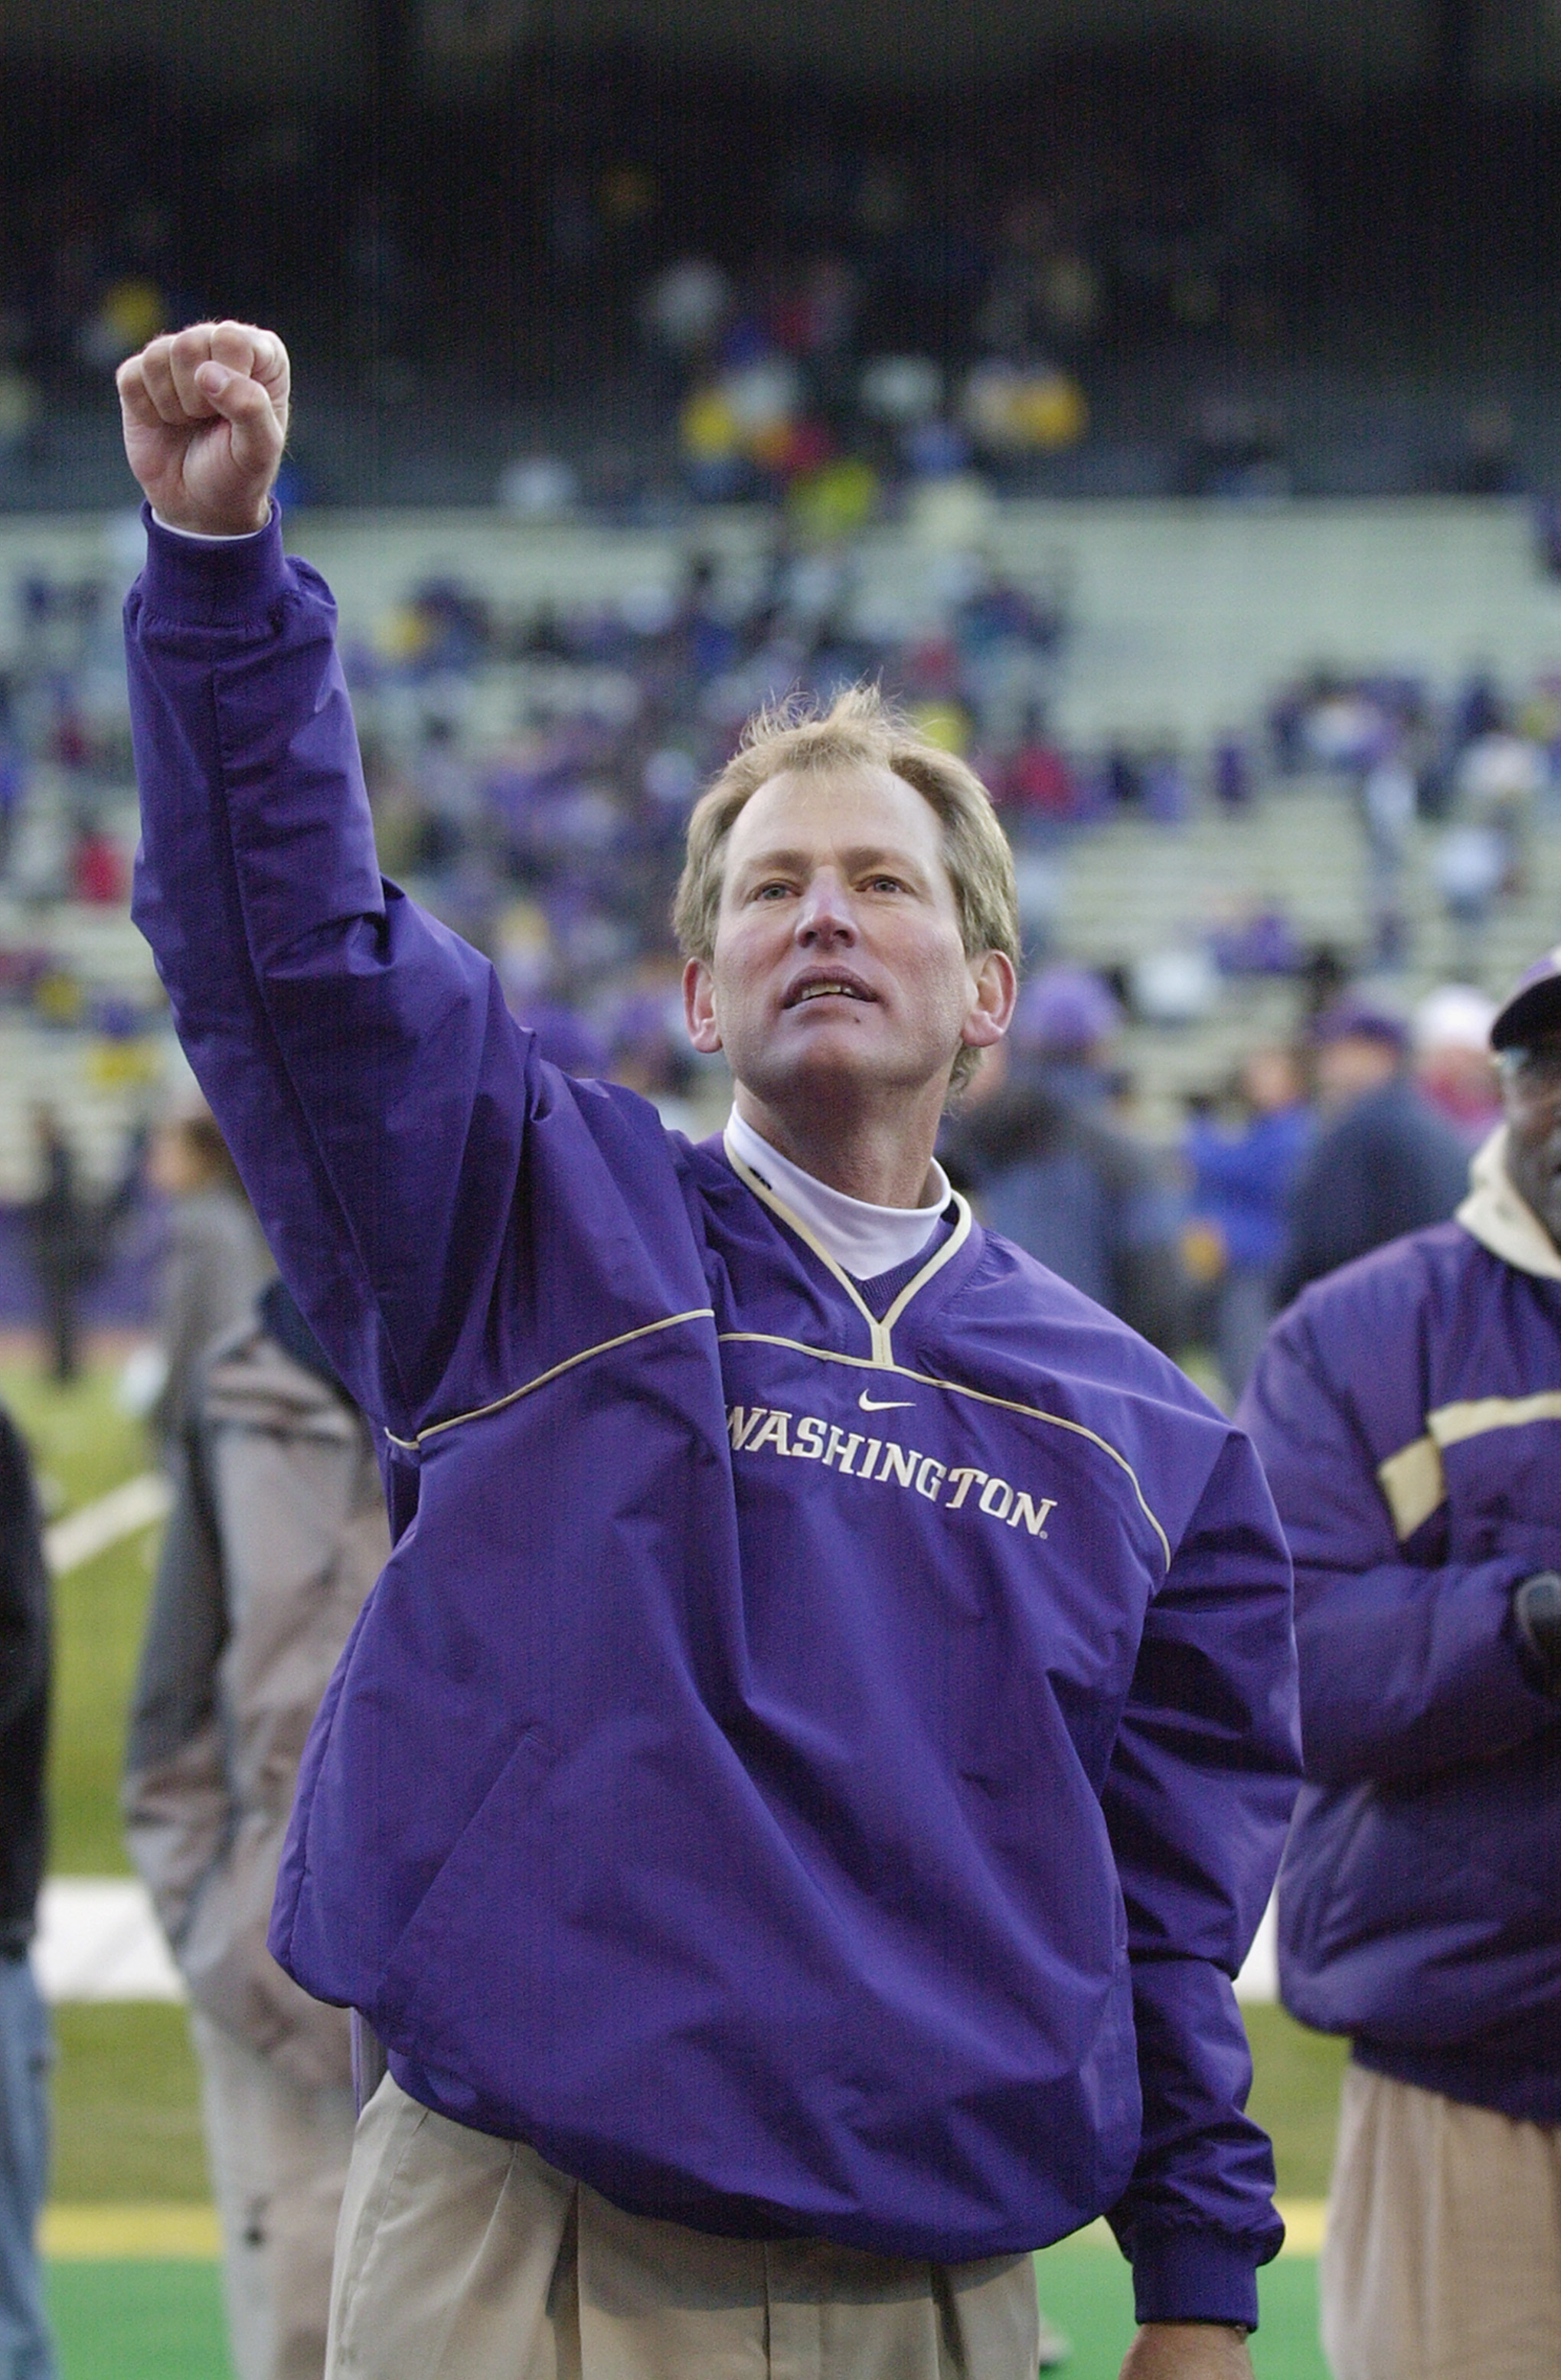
{"x": 99, "y": 1940}
{"x": 82, "y": 1536}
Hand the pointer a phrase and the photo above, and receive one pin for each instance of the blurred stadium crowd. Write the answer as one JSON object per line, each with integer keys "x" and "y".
{"x": 531, "y": 767}
{"x": 623, "y": 282}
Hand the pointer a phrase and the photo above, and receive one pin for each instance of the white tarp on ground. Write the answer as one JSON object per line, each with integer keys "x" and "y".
{"x": 98, "y": 1940}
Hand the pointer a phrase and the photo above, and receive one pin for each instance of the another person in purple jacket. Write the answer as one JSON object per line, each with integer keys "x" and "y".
{"x": 794, "y": 1803}
{"x": 1408, "y": 1411}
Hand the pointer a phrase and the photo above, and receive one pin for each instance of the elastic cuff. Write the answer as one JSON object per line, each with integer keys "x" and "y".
{"x": 1194, "y": 2277}
{"x": 228, "y": 585}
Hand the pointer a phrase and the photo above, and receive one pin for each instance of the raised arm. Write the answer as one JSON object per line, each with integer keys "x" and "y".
{"x": 359, "y": 1059}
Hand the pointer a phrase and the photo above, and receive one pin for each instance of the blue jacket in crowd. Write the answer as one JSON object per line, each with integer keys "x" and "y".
{"x": 1407, "y": 1411}
{"x": 817, "y": 1757}
{"x": 1242, "y": 1182}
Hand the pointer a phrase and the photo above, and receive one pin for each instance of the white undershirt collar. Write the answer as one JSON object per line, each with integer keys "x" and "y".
{"x": 863, "y": 1240}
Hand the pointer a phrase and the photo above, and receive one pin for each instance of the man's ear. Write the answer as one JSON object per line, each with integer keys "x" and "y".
{"x": 699, "y": 1007}
{"x": 991, "y": 1013}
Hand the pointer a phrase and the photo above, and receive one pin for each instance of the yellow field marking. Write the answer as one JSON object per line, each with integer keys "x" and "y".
{"x": 112, "y": 2233}
{"x": 1305, "y": 2220}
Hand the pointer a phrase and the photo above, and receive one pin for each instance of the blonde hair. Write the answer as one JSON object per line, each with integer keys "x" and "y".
{"x": 859, "y": 730}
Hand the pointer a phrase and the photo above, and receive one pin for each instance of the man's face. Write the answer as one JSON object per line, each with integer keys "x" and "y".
{"x": 1531, "y": 1093}
{"x": 839, "y": 965}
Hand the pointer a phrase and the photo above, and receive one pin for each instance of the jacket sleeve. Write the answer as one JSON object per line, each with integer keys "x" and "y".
{"x": 358, "y": 1057}
{"x": 1198, "y": 1798}
{"x": 176, "y": 1798}
{"x": 1406, "y": 1666}
{"x": 24, "y": 1581}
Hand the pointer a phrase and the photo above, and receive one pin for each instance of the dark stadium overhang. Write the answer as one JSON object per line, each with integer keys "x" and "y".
{"x": 321, "y": 46}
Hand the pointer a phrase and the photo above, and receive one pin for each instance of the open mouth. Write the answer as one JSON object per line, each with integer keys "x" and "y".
{"x": 827, "y": 987}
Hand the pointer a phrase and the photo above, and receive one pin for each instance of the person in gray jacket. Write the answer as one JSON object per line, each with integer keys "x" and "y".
{"x": 215, "y": 1265}
{"x": 277, "y": 1533}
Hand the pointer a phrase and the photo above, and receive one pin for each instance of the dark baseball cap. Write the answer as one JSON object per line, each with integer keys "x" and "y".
{"x": 1533, "y": 1007}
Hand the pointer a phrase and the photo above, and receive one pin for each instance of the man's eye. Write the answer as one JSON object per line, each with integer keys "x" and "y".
{"x": 769, "y": 892}
{"x": 885, "y": 884}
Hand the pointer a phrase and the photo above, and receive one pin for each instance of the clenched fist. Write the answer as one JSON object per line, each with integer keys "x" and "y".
{"x": 205, "y": 422}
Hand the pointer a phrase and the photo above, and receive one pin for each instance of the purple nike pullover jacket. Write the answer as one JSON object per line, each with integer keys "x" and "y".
{"x": 805, "y": 1769}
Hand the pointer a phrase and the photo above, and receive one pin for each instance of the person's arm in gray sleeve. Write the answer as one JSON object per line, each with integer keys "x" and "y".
{"x": 175, "y": 1797}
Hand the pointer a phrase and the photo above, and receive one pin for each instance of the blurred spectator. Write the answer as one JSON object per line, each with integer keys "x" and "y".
{"x": 1033, "y": 786}
{"x": 1166, "y": 795}
{"x": 1231, "y": 772}
{"x": 63, "y": 1241}
{"x": 1173, "y": 986}
{"x": 1387, "y": 807}
{"x": 130, "y": 312}
{"x": 1241, "y": 1183}
{"x": 1477, "y": 709}
{"x": 25, "y": 2353}
{"x": 1499, "y": 779}
{"x": 686, "y": 306}
{"x": 1015, "y": 411}
{"x": 1468, "y": 863}
{"x": 1453, "y": 1065}
{"x": 277, "y": 1534}
{"x": 538, "y": 488}
{"x": 216, "y": 1260}
{"x": 98, "y": 872}
{"x": 1384, "y": 1162}
{"x": 1034, "y": 1144}
{"x": 1256, "y": 937}
{"x": 906, "y": 392}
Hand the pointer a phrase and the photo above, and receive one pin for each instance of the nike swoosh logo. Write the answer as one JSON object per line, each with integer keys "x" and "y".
{"x": 894, "y": 1404}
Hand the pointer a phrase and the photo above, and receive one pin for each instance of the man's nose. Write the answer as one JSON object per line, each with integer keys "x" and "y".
{"x": 825, "y": 913}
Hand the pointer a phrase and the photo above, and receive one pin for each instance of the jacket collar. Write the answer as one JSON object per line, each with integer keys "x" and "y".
{"x": 1496, "y": 1216}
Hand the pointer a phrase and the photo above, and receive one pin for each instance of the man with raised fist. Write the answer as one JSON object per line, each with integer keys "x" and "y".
{"x": 796, "y": 1798}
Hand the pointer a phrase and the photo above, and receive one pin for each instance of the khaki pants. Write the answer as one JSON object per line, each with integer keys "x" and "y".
{"x": 278, "y": 2156}
{"x": 462, "y": 2257}
{"x": 1443, "y": 2255}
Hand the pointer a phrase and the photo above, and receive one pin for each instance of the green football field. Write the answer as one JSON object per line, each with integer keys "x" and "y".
{"x": 127, "y": 2133}
{"x": 163, "y": 2320}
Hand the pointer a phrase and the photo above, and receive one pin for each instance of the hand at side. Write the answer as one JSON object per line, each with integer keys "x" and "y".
{"x": 1188, "y": 2350}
